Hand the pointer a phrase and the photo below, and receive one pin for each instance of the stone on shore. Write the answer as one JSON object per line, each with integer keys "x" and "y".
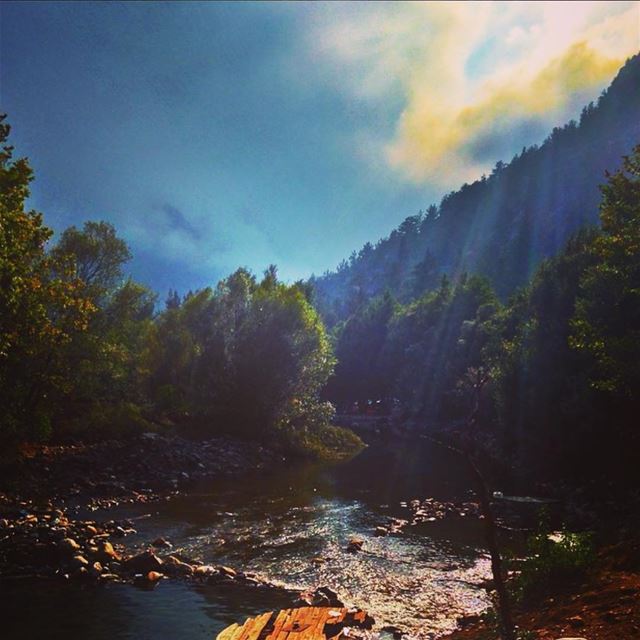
{"x": 161, "y": 543}
{"x": 175, "y": 567}
{"x": 143, "y": 563}
{"x": 68, "y": 546}
{"x": 355, "y": 545}
{"x": 79, "y": 561}
{"x": 106, "y": 552}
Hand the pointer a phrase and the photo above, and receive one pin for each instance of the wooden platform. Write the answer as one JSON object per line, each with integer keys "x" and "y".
{"x": 305, "y": 623}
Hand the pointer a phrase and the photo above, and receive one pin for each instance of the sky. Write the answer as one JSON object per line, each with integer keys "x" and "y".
{"x": 219, "y": 135}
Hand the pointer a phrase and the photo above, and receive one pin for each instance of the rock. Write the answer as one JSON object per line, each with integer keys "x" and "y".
{"x": 204, "y": 571}
{"x": 81, "y": 572}
{"x": 355, "y": 545}
{"x": 161, "y": 543}
{"x": 68, "y": 546}
{"x": 328, "y": 594}
{"x": 109, "y": 577}
{"x": 79, "y": 561}
{"x": 303, "y": 600}
{"x": 106, "y": 552}
{"x": 577, "y": 622}
{"x": 148, "y": 579}
{"x": 175, "y": 567}
{"x": 143, "y": 563}
{"x": 465, "y": 621}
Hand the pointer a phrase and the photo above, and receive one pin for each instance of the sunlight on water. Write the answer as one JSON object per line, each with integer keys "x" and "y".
{"x": 296, "y": 531}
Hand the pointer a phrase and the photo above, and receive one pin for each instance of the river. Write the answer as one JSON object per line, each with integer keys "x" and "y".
{"x": 292, "y": 526}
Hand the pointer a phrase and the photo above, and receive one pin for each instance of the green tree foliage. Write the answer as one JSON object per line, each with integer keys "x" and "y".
{"x": 562, "y": 355}
{"x": 361, "y": 374}
{"x": 417, "y": 352}
{"x": 248, "y": 357}
{"x": 104, "y": 373}
{"x": 541, "y": 385}
{"x": 607, "y": 320}
{"x": 97, "y": 255}
{"x": 42, "y": 306}
{"x": 434, "y": 340}
{"x": 566, "y": 349}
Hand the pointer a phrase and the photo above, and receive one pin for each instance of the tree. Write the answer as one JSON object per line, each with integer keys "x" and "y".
{"x": 97, "y": 254}
{"x": 607, "y": 318}
{"x": 42, "y": 305}
{"x": 248, "y": 357}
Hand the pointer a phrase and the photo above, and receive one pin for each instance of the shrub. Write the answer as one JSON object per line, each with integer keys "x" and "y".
{"x": 553, "y": 562}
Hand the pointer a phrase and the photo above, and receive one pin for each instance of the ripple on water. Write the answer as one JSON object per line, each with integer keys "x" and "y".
{"x": 294, "y": 529}
{"x": 410, "y": 580}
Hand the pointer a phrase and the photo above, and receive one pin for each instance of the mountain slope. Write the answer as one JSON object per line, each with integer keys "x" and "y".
{"x": 503, "y": 225}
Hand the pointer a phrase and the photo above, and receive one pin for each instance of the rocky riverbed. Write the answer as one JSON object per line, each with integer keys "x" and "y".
{"x": 43, "y": 542}
{"x": 42, "y": 494}
{"x": 138, "y": 469}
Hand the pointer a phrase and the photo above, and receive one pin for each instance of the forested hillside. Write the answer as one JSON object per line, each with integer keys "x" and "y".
{"x": 556, "y": 366}
{"x": 503, "y": 225}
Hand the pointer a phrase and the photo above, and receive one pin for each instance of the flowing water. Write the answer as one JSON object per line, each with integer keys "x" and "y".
{"x": 291, "y": 526}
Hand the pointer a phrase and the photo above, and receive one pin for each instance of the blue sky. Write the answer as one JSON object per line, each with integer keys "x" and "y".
{"x": 219, "y": 135}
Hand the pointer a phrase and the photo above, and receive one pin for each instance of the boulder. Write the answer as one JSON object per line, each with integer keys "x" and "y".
{"x": 355, "y": 545}
{"x": 143, "y": 563}
{"x": 148, "y": 579}
{"x": 204, "y": 571}
{"x": 79, "y": 561}
{"x": 161, "y": 543}
{"x": 106, "y": 552}
{"x": 68, "y": 546}
{"x": 175, "y": 567}
{"x": 331, "y": 595}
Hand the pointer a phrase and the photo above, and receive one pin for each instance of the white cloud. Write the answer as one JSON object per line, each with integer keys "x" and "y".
{"x": 468, "y": 70}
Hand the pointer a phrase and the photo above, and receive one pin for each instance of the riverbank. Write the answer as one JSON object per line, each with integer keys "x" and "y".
{"x": 405, "y": 544}
{"x": 605, "y": 605}
{"x": 45, "y": 486}
{"x": 43, "y": 490}
{"x": 138, "y": 469}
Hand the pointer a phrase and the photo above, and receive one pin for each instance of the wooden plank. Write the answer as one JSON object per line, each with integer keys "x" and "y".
{"x": 260, "y": 623}
{"x": 228, "y": 632}
{"x": 316, "y": 629}
{"x": 279, "y": 623}
{"x": 246, "y": 629}
{"x": 303, "y": 623}
{"x": 310, "y": 620}
{"x": 296, "y": 623}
